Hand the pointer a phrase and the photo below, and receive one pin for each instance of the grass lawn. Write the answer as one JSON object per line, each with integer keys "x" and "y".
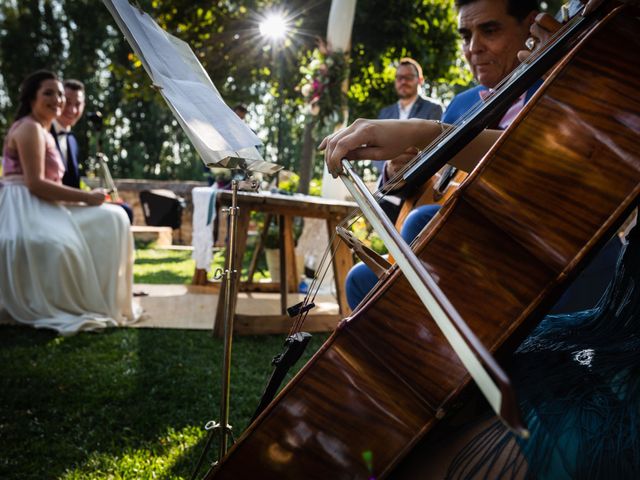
{"x": 122, "y": 403}
{"x": 177, "y": 266}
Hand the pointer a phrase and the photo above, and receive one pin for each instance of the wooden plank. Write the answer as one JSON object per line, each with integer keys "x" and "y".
{"x": 297, "y": 206}
{"x": 261, "y": 287}
{"x": 293, "y": 279}
{"x": 281, "y": 324}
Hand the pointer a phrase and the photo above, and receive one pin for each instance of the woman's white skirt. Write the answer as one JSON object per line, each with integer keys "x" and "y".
{"x": 64, "y": 267}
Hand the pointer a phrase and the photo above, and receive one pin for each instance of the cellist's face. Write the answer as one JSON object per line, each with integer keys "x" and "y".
{"x": 491, "y": 39}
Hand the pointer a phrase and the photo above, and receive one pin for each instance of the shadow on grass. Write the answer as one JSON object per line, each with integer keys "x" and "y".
{"x": 163, "y": 277}
{"x": 123, "y": 403}
{"x": 161, "y": 260}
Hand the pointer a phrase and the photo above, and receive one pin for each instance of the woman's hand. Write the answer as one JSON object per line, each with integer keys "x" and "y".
{"x": 95, "y": 197}
{"x": 376, "y": 140}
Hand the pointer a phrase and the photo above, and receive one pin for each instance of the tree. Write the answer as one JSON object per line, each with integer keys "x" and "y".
{"x": 79, "y": 39}
{"x": 28, "y": 42}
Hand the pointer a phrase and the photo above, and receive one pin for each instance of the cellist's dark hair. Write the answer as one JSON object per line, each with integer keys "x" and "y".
{"x": 519, "y": 9}
{"x": 29, "y": 89}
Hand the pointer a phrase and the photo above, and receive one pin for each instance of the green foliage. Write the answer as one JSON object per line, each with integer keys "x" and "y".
{"x": 424, "y": 30}
{"x": 29, "y": 41}
{"x": 290, "y": 183}
{"x": 79, "y": 39}
{"x": 316, "y": 187}
{"x": 363, "y": 232}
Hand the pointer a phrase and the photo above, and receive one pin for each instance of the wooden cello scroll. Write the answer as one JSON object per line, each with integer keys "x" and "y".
{"x": 553, "y": 189}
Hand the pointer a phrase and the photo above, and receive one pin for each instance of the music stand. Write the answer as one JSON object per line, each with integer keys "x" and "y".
{"x": 217, "y": 133}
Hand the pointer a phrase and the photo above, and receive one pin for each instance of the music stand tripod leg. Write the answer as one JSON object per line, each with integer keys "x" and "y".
{"x": 228, "y": 293}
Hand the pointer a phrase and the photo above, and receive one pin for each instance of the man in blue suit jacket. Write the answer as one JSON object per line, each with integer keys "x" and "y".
{"x": 65, "y": 139}
{"x": 410, "y": 104}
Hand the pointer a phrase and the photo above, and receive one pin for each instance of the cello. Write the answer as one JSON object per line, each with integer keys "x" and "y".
{"x": 500, "y": 250}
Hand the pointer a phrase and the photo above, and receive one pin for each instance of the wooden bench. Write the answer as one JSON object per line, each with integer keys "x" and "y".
{"x": 162, "y": 236}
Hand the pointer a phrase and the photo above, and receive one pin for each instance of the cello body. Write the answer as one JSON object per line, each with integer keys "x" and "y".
{"x": 548, "y": 194}
{"x": 430, "y": 193}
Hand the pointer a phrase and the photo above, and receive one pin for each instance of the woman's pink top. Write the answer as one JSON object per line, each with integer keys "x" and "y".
{"x": 53, "y": 166}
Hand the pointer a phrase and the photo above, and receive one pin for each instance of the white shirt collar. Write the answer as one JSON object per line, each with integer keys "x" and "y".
{"x": 59, "y": 128}
{"x": 404, "y": 112}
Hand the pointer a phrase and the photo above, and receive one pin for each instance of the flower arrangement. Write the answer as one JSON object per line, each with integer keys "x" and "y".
{"x": 321, "y": 84}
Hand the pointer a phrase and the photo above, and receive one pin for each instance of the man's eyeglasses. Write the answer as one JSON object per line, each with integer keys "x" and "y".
{"x": 406, "y": 78}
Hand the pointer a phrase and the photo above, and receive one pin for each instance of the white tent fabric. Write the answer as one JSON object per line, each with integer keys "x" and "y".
{"x": 338, "y": 38}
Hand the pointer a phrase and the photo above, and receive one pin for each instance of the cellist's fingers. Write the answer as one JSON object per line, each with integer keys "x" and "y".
{"x": 329, "y": 143}
{"x": 542, "y": 29}
{"x": 377, "y": 140}
{"x": 342, "y": 143}
{"x": 327, "y": 146}
{"x": 395, "y": 165}
{"x": 523, "y": 55}
{"x": 351, "y": 144}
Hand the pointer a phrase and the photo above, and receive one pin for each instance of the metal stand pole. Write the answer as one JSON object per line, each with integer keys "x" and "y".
{"x": 230, "y": 279}
{"x": 222, "y": 427}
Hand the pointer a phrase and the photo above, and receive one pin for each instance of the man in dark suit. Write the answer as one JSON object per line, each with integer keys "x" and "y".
{"x": 61, "y": 131}
{"x": 65, "y": 139}
{"x": 410, "y": 104}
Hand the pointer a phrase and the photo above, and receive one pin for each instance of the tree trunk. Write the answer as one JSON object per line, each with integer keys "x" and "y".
{"x": 308, "y": 155}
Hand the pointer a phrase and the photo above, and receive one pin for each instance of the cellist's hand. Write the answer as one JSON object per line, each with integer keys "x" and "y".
{"x": 542, "y": 29}
{"x": 376, "y": 140}
{"x": 395, "y": 165}
{"x": 545, "y": 26}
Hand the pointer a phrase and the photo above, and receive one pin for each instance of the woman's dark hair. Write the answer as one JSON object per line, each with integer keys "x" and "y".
{"x": 29, "y": 89}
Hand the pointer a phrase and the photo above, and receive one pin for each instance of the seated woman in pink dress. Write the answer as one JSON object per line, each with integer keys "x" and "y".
{"x": 66, "y": 257}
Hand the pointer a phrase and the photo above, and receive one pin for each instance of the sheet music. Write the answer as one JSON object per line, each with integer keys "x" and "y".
{"x": 221, "y": 138}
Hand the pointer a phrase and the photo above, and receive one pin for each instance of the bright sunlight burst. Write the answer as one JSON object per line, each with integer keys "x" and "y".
{"x": 274, "y": 27}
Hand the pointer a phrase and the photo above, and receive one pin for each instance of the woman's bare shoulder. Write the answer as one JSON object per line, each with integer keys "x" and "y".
{"x": 26, "y": 130}
{"x": 26, "y": 125}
